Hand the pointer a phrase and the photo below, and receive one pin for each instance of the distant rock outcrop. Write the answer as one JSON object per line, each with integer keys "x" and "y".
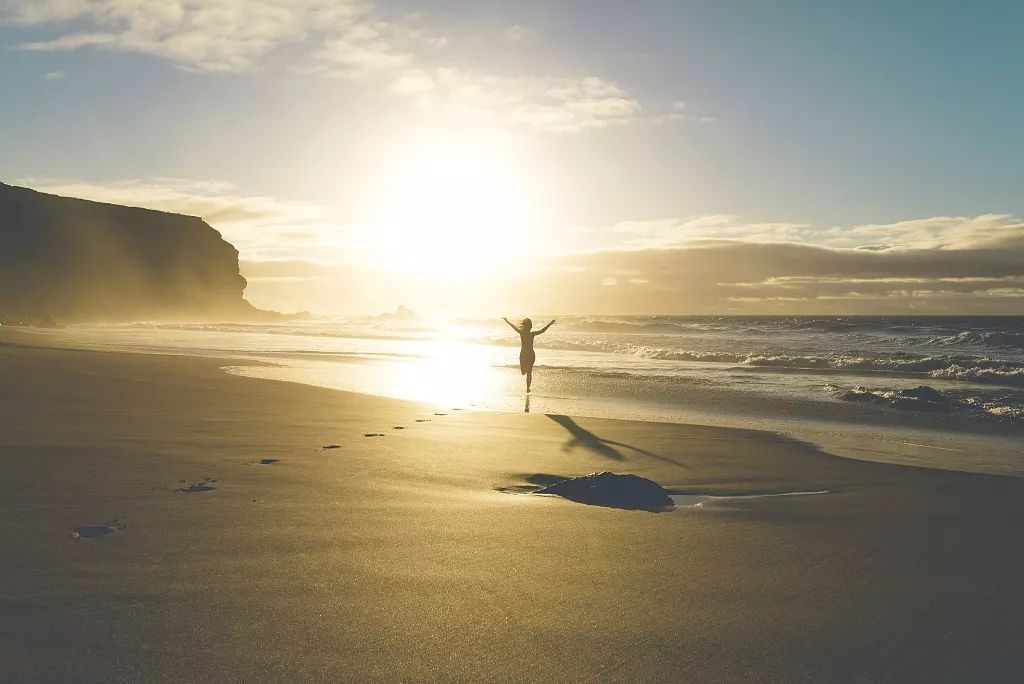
{"x": 401, "y": 314}
{"x": 72, "y": 260}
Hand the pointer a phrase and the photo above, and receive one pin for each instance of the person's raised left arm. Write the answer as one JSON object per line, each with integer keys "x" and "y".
{"x": 544, "y": 329}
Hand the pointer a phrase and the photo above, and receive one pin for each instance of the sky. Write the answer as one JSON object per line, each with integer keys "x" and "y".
{"x": 561, "y": 157}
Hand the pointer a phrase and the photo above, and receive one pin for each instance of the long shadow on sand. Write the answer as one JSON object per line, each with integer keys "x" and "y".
{"x": 534, "y": 482}
{"x": 586, "y": 439}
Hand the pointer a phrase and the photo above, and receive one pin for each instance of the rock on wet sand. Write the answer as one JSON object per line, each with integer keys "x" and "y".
{"x": 611, "y": 489}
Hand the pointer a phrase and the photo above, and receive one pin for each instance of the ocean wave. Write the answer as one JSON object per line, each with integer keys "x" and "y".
{"x": 1013, "y": 414}
{"x": 911, "y": 364}
{"x": 990, "y": 338}
{"x": 697, "y": 356}
{"x": 921, "y": 398}
{"x": 628, "y": 327}
{"x": 1003, "y": 408}
{"x": 939, "y": 366}
{"x": 934, "y": 366}
{"x": 996, "y": 376}
{"x": 732, "y": 324}
{"x": 612, "y": 345}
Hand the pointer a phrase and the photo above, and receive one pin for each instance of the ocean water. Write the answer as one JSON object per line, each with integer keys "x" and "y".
{"x": 934, "y": 391}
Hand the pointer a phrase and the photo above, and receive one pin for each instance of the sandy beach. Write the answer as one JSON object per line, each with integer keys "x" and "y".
{"x": 470, "y": 342}
{"x": 167, "y": 521}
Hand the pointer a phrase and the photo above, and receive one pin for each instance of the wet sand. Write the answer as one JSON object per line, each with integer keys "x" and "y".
{"x": 166, "y": 521}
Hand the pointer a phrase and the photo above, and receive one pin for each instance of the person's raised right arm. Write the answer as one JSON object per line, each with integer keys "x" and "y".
{"x": 518, "y": 331}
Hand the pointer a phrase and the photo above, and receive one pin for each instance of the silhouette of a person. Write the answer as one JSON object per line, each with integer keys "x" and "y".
{"x": 526, "y": 354}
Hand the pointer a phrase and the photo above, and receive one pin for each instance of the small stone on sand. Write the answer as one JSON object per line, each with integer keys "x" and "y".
{"x": 94, "y": 531}
{"x": 203, "y": 485}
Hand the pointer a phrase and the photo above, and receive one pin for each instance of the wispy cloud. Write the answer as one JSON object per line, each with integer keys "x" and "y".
{"x": 940, "y": 232}
{"x": 350, "y": 39}
{"x": 673, "y": 232}
{"x": 205, "y": 35}
{"x": 517, "y": 33}
{"x": 360, "y": 51}
{"x": 260, "y": 227}
{"x": 538, "y": 104}
{"x": 678, "y": 111}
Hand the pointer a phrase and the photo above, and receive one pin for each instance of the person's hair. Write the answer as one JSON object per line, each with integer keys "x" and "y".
{"x": 527, "y": 324}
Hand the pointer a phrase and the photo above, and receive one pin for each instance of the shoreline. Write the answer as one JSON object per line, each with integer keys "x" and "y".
{"x": 396, "y": 558}
{"x": 893, "y": 442}
{"x": 929, "y": 440}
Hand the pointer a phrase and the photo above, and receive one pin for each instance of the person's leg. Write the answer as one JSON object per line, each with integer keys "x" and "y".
{"x": 529, "y": 379}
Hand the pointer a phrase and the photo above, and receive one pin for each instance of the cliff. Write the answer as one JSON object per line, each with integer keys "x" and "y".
{"x": 76, "y": 260}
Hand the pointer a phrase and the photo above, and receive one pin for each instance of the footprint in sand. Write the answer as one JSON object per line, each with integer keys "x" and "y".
{"x": 398, "y": 427}
{"x": 332, "y": 446}
{"x": 94, "y": 531}
{"x": 440, "y": 414}
{"x": 422, "y": 420}
{"x": 373, "y": 434}
{"x": 204, "y": 485}
{"x": 268, "y": 461}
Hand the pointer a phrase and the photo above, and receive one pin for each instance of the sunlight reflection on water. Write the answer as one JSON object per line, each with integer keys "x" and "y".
{"x": 444, "y": 372}
{"x": 450, "y": 373}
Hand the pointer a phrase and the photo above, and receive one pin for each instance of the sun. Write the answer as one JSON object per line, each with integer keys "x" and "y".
{"x": 451, "y": 208}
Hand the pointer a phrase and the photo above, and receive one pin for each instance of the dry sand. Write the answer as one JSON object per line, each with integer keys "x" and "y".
{"x": 223, "y": 542}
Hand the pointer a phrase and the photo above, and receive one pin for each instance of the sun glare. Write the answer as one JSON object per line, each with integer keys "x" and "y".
{"x": 450, "y": 208}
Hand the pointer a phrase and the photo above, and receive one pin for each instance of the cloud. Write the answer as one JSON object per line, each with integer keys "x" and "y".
{"x": 678, "y": 112}
{"x": 360, "y": 52}
{"x": 716, "y": 264}
{"x": 669, "y": 232}
{"x": 517, "y": 33}
{"x": 259, "y": 226}
{"x": 203, "y": 35}
{"x": 54, "y": 76}
{"x": 350, "y": 39}
{"x": 28, "y": 13}
{"x": 983, "y": 273}
{"x": 533, "y": 104}
{"x": 940, "y": 232}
